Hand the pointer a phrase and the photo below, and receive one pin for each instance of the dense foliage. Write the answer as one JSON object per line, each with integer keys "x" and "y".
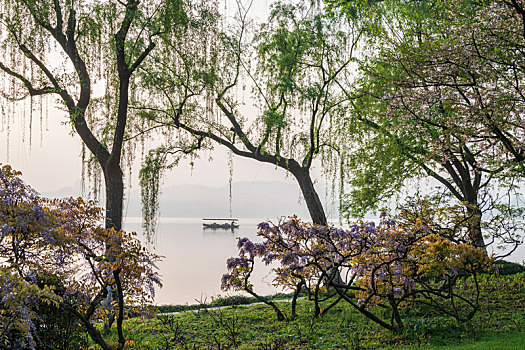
{"x": 439, "y": 96}
{"x": 57, "y": 252}
{"x": 395, "y": 265}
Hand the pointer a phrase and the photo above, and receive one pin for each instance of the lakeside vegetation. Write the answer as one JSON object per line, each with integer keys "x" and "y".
{"x": 396, "y": 283}
{"x": 499, "y": 324}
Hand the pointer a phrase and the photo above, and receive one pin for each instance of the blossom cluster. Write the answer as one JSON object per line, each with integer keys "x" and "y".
{"x": 63, "y": 240}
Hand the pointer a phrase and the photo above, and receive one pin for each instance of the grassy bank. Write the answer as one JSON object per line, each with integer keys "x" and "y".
{"x": 500, "y": 324}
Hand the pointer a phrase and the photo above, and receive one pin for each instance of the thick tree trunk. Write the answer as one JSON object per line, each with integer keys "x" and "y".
{"x": 114, "y": 195}
{"x": 474, "y": 225}
{"x": 315, "y": 207}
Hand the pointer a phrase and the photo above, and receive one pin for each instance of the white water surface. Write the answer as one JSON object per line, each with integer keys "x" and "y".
{"x": 195, "y": 258}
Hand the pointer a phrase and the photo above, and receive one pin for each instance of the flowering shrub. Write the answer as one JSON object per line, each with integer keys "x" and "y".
{"x": 241, "y": 268}
{"x": 17, "y": 313}
{"x": 63, "y": 241}
{"x": 393, "y": 264}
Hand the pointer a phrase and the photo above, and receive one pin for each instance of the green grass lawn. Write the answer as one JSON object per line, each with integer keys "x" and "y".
{"x": 487, "y": 340}
{"x": 500, "y": 324}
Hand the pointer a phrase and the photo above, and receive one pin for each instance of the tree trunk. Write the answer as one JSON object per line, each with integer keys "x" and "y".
{"x": 315, "y": 207}
{"x": 114, "y": 195}
{"x": 296, "y": 293}
{"x": 474, "y": 225}
{"x": 113, "y": 177}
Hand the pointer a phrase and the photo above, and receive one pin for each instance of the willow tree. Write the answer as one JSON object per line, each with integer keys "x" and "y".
{"x": 443, "y": 97}
{"x": 290, "y": 64}
{"x": 85, "y": 54}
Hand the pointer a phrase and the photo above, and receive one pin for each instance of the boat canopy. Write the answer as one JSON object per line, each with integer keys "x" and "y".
{"x": 222, "y": 219}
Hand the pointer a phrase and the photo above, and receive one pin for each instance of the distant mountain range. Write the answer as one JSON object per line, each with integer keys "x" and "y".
{"x": 249, "y": 200}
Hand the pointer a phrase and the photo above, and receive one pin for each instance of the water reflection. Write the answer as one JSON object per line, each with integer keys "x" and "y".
{"x": 217, "y": 231}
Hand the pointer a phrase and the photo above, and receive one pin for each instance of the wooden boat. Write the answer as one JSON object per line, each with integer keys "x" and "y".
{"x": 220, "y": 223}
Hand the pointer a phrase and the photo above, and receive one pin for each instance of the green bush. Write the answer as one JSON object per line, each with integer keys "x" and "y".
{"x": 55, "y": 327}
{"x": 508, "y": 268}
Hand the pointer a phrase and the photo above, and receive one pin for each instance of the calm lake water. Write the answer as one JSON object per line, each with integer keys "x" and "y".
{"x": 195, "y": 258}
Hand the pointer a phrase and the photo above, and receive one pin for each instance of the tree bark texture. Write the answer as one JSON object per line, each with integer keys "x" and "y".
{"x": 315, "y": 207}
{"x": 114, "y": 193}
{"x": 474, "y": 225}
